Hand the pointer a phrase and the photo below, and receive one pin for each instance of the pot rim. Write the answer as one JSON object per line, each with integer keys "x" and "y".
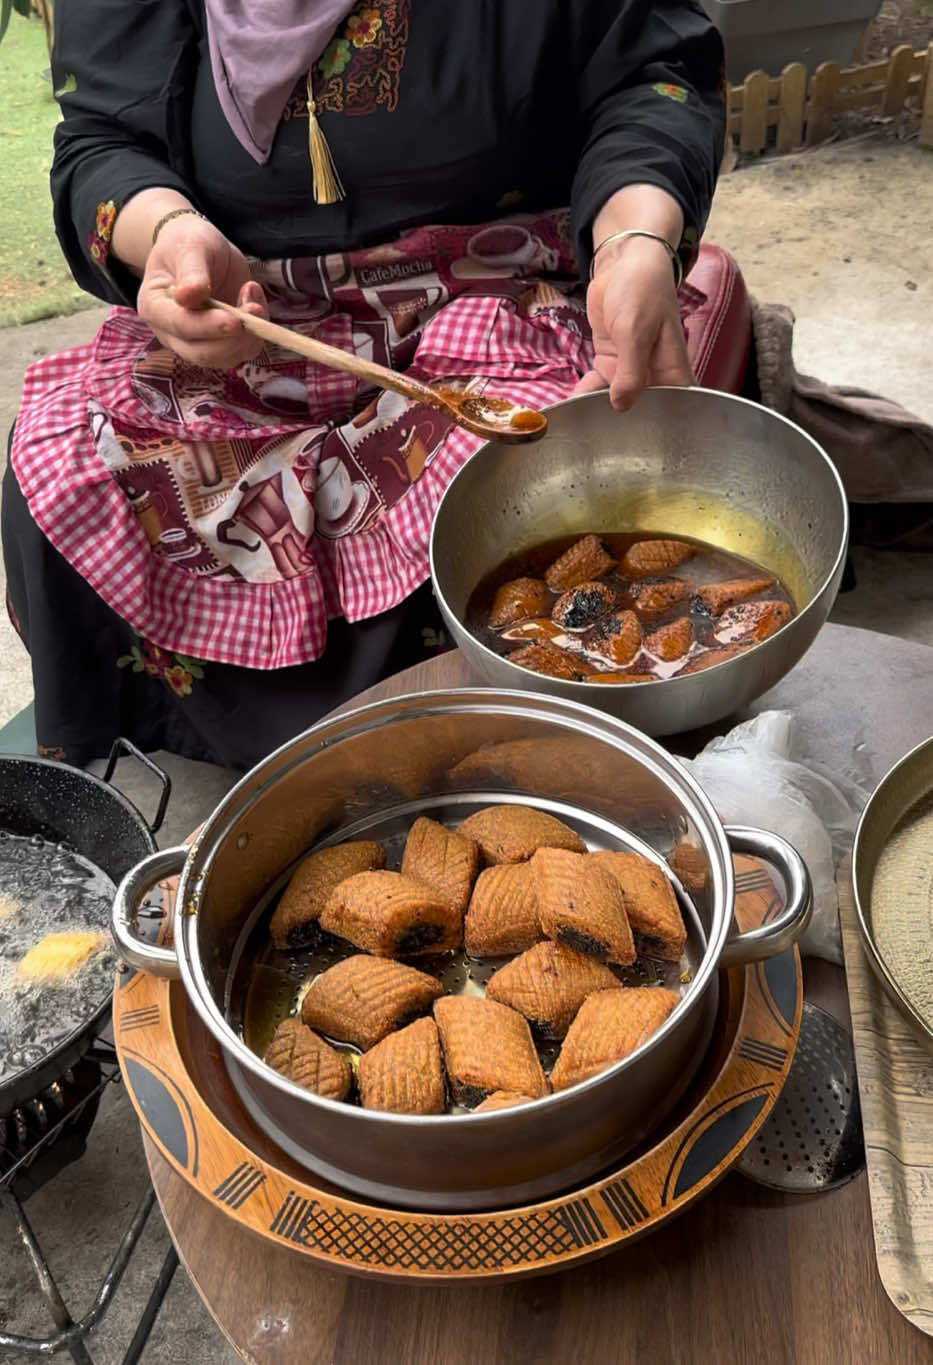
{"x": 863, "y": 866}
{"x": 131, "y": 809}
{"x": 677, "y": 683}
{"x": 195, "y": 875}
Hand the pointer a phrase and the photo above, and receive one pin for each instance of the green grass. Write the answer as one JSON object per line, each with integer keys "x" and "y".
{"x": 34, "y": 279}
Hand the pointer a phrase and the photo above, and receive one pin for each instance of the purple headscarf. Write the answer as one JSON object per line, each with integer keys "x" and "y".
{"x": 259, "y": 50}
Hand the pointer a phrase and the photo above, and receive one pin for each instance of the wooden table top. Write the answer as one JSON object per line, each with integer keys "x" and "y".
{"x": 745, "y": 1275}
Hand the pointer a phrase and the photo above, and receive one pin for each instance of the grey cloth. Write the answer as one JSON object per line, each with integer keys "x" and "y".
{"x": 883, "y": 452}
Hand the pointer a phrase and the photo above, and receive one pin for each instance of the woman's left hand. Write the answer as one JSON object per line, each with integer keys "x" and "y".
{"x": 637, "y": 333}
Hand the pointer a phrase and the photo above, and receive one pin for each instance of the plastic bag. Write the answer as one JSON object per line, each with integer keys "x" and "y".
{"x": 754, "y": 776}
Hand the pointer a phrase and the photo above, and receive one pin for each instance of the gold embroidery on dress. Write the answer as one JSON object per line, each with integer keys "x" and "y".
{"x": 359, "y": 70}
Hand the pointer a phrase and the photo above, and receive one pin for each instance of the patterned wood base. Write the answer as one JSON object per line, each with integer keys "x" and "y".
{"x": 895, "y": 1076}
{"x": 178, "y": 1084}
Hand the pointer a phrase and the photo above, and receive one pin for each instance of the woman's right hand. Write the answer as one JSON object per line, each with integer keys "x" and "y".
{"x": 190, "y": 262}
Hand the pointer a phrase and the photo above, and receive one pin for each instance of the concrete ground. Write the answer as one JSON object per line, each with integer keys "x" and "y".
{"x": 841, "y": 235}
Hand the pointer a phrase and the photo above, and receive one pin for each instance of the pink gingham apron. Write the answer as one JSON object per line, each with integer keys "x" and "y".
{"x": 228, "y": 515}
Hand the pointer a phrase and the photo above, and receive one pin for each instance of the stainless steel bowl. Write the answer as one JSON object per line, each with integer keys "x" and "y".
{"x": 684, "y": 461}
{"x": 443, "y": 753}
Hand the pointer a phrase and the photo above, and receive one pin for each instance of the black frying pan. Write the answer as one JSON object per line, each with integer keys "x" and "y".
{"x": 68, "y": 806}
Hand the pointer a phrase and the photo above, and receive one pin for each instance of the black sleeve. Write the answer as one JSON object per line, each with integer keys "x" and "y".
{"x": 652, "y": 109}
{"x": 122, "y": 69}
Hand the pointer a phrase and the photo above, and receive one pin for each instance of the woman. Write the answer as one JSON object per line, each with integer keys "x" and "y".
{"x": 210, "y": 543}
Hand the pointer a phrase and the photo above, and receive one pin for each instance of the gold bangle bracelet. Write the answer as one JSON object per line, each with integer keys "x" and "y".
{"x": 642, "y": 232}
{"x": 167, "y": 218}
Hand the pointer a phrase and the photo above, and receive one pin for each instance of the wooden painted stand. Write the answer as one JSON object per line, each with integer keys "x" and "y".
{"x": 178, "y": 1083}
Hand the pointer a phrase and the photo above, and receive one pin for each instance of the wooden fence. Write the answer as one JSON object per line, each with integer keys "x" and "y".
{"x": 802, "y": 108}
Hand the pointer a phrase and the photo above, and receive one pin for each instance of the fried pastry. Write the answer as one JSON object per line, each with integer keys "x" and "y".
{"x": 609, "y": 1026}
{"x": 585, "y": 560}
{"x": 502, "y": 1099}
{"x": 564, "y": 768}
{"x": 511, "y": 834}
{"x": 580, "y": 905}
{"x": 649, "y": 557}
{"x": 751, "y": 621}
{"x": 57, "y": 956}
{"x": 301, "y": 1056}
{"x": 548, "y": 984}
{"x": 295, "y": 921}
{"x": 363, "y": 998}
{"x": 443, "y": 859}
{"x": 542, "y": 656}
{"x": 689, "y": 864}
{"x": 618, "y": 638}
{"x": 392, "y": 916}
{"x": 502, "y": 917}
{"x": 672, "y": 641}
{"x": 518, "y": 600}
{"x": 655, "y": 596}
{"x": 404, "y": 1073}
{"x": 649, "y": 901}
{"x": 713, "y": 598}
{"x": 710, "y": 658}
{"x": 487, "y": 1047}
{"x": 583, "y": 605}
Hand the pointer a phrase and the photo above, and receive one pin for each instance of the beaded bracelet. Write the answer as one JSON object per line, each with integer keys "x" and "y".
{"x": 642, "y": 232}
{"x": 167, "y": 218}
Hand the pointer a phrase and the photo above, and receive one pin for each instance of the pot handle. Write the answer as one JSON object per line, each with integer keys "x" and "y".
{"x": 126, "y": 746}
{"x": 138, "y": 882}
{"x": 783, "y": 931}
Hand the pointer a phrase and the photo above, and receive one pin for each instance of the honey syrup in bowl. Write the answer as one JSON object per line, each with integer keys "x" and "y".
{"x": 637, "y": 607}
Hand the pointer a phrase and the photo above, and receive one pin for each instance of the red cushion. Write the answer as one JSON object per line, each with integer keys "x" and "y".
{"x": 718, "y": 327}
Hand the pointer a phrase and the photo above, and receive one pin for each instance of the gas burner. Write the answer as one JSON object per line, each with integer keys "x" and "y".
{"x": 37, "y": 1141}
{"x": 49, "y": 1131}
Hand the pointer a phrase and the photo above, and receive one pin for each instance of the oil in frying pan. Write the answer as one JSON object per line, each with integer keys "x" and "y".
{"x": 45, "y": 888}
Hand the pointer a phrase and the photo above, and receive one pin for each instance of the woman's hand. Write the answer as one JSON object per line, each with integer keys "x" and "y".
{"x": 637, "y": 333}
{"x": 191, "y": 261}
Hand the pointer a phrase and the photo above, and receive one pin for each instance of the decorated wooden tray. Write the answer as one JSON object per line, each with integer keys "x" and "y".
{"x": 895, "y": 1077}
{"x": 177, "y": 1081}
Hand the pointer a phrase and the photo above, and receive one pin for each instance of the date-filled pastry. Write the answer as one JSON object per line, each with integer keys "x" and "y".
{"x": 586, "y": 559}
{"x": 650, "y": 903}
{"x": 392, "y": 916}
{"x": 609, "y": 1026}
{"x": 512, "y": 834}
{"x": 502, "y": 917}
{"x": 487, "y": 1047}
{"x": 443, "y": 859}
{"x": 362, "y": 998}
{"x": 301, "y": 1056}
{"x": 295, "y": 921}
{"x": 403, "y": 1074}
{"x": 548, "y": 984}
{"x": 580, "y": 905}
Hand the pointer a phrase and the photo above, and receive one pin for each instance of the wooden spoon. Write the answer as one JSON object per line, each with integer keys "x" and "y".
{"x": 495, "y": 419}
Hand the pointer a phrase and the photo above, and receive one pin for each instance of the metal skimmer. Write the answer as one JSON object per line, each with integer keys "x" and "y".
{"x": 812, "y": 1139}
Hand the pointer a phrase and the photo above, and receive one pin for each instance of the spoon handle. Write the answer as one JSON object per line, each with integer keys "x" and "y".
{"x": 332, "y": 356}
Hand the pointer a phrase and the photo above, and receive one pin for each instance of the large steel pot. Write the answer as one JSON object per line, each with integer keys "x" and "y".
{"x": 442, "y": 753}
{"x": 688, "y": 462}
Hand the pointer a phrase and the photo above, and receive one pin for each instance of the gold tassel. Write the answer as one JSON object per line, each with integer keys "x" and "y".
{"x": 325, "y": 181}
